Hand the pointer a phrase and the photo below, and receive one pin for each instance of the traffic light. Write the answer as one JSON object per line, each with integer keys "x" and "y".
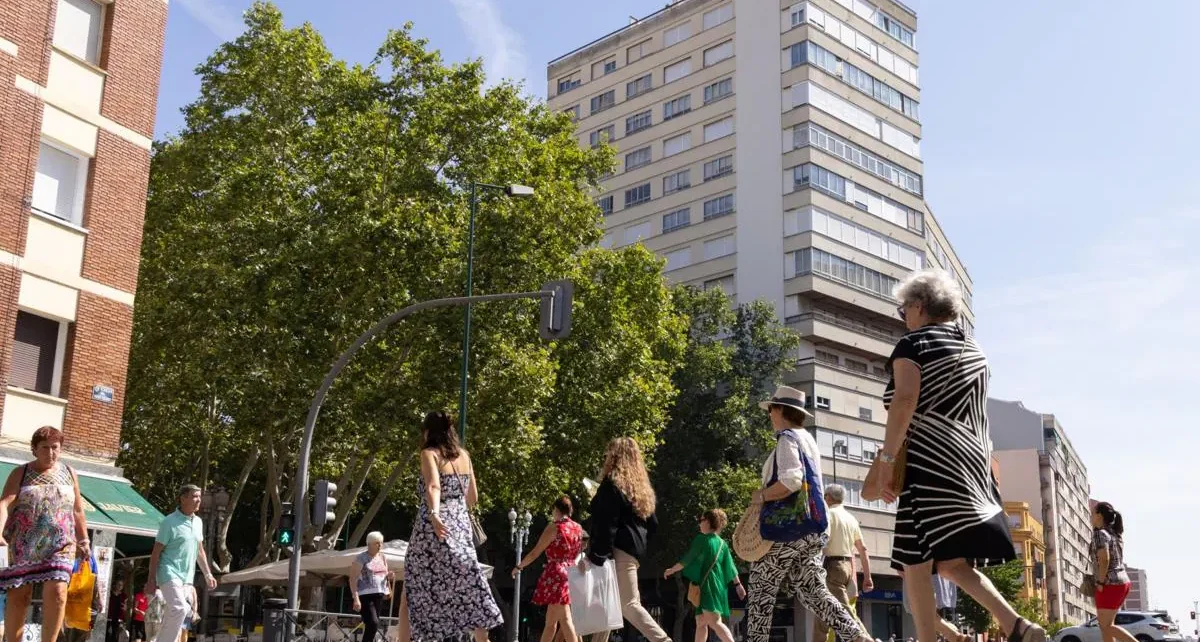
{"x": 555, "y": 322}
{"x": 324, "y": 502}
{"x": 286, "y": 534}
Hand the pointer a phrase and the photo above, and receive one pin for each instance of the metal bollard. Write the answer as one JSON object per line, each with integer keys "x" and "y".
{"x": 274, "y": 620}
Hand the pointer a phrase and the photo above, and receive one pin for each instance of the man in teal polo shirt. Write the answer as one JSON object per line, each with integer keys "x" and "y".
{"x": 173, "y": 562}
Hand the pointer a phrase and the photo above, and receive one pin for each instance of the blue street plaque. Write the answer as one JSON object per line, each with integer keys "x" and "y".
{"x": 103, "y": 394}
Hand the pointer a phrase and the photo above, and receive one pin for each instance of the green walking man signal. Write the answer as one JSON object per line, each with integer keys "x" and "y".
{"x": 286, "y": 534}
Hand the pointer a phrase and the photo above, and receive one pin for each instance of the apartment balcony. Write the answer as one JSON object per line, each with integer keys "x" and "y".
{"x": 838, "y": 375}
{"x": 821, "y": 288}
{"x": 847, "y": 333}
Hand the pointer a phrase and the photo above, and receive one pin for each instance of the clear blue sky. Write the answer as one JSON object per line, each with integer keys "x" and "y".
{"x": 1060, "y": 140}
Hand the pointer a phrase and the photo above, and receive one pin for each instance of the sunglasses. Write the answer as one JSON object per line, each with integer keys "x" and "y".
{"x": 902, "y": 313}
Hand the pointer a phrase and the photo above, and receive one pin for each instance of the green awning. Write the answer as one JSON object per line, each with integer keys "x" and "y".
{"x": 120, "y": 506}
{"x": 109, "y": 504}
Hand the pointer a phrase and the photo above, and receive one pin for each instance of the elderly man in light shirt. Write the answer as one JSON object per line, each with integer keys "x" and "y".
{"x": 845, "y": 538}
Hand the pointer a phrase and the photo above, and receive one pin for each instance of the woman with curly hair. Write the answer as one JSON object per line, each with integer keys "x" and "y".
{"x": 622, "y": 521}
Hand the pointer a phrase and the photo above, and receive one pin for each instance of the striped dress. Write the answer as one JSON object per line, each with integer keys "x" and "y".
{"x": 950, "y": 505}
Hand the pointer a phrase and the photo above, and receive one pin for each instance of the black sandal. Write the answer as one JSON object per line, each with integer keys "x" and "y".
{"x": 1024, "y": 627}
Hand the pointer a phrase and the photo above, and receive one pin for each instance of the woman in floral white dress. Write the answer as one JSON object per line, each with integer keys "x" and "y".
{"x": 446, "y": 593}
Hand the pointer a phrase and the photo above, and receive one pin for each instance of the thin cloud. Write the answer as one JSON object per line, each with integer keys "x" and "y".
{"x": 499, "y": 44}
{"x": 217, "y": 18}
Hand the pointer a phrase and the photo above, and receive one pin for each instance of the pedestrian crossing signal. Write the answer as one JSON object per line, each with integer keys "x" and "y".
{"x": 286, "y": 533}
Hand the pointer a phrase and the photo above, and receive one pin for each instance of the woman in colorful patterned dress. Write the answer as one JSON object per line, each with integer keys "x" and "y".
{"x": 446, "y": 593}
{"x": 562, "y": 542}
{"x": 41, "y": 518}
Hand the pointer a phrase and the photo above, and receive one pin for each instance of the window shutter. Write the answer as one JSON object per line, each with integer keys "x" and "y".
{"x": 34, "y": 345}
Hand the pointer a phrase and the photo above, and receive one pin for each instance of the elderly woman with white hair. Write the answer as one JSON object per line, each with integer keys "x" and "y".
{"x": 370, "y": 584}
{"x": 936, "y": 458}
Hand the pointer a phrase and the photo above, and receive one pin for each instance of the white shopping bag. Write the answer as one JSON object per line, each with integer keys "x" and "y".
{"x": 595, "y": 601}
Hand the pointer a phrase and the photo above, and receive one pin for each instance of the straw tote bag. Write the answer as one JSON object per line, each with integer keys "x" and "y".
{"x": 747, "y": 537}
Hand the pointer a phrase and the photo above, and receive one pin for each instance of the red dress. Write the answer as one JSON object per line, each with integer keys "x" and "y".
{"x": 560, "y": 555}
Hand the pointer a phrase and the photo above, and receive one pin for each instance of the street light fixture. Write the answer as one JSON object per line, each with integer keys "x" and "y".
{"x": 513, "y": 190}
{"x": 518, "y": 530}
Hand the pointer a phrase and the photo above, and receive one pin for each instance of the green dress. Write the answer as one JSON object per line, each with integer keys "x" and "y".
{"x": 714, "y": 589}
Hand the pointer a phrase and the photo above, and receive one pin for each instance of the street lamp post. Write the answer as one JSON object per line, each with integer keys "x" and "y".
{"x": 511, "y": 190}
{"x": 518, "y": 529}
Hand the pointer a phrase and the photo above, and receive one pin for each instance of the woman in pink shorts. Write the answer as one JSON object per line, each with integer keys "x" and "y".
{"x": 1112, "y": 582}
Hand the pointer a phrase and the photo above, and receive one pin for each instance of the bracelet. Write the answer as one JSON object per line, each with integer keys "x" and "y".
{"x": 886, "y": 458}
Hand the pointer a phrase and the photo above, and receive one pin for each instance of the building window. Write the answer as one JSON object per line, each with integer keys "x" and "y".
{"x": 856, "y": 366}
{"x": 603, "y": 68}
{"x": 677, "y": 181}
{"x": 719, "y": 129}
{"x": 36, "y": 358}
{"x": 828, "y": 357}
{"x": 824, "y": 403}
{"x": 716, "y": 54}
{"x": 677, "y": 34}
{"x": 893, "y": 28}
{"x": 637, "y": 158}
{"x": 60, "y": 184}
{"x": 718, "y": 167}
{"x": 603, "y": 135}
{"x": 718, "y": 90}
{"x": 808, "y": 53}
{"x": 635, "y": 233}
{"x": 679, "y": 259}
{"x": 77, "y": 28}
{"x": 718, "y": 16}
{"x": 637, "y": 195}
{"x": 719, "y": 206}
{"x": 677, "y": 144}
{"x": 573, "y": 112}
{"x": 841, "y": 229}
{"x": 604, "y": 101}
{"x": 865, "y": 414}
{"x": 716, "y": 248}
{"x": 637, "y": 52}
{"x": 672, "y": 221}
{"x": 809, "y": 175}
{"x": 725, "y": 283}
{"x": 677, "y": 107}
{"x": 812, "y": 260}
{"x": 810, "y": 134}
{"x": 674, "y": 72}
{"x": 639, "y": 86}
{"x": 606, "y": 204}
{"x": 637, "y": 122}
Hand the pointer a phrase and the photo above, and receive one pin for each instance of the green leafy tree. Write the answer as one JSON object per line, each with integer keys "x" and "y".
{"x": 711, "y": 451}
{"x": 303, "y": 200}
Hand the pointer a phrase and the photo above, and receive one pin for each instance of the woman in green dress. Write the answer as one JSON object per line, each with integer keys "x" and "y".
{"x": 709, "y": 564}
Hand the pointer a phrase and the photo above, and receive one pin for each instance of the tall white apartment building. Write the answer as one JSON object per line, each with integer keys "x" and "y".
{"x": 772, "y": 149}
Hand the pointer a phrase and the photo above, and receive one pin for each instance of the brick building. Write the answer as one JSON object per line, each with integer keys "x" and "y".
{"x": 78, "y": 90}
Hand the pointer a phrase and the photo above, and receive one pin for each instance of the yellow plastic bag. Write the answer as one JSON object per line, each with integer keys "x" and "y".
{"x": 80, "y": 595}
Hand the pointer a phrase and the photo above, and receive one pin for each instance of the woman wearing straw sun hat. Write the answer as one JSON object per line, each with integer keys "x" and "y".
{"x": 793, "y": 518}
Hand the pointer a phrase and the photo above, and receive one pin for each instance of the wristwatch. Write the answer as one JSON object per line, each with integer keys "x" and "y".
{"x": 886, "y": 458}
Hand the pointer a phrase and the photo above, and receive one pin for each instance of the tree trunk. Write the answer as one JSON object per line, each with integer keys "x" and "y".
{"x": 224, "y": 557}
{"x": 270, "y": 518}
{"x": 381, "y": 496}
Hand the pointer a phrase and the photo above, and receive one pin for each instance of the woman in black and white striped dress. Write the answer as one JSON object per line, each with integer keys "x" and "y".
{"x": 950, "y": 519}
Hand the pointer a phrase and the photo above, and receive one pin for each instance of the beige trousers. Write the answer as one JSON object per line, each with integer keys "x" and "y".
{"x": 839, "y": 578}
{"x": 631, "y": 601}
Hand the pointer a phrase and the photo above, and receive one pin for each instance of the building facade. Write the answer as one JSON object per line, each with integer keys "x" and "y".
{"x": 1042, "y": 468}
{"x": 773, "y": 150}
{"x": 1139, "y": 590}
{"x": 1030, "y": 544}
{"x": 78, "y": 91}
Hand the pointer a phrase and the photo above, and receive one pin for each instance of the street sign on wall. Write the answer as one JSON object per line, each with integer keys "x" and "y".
{"x": 103, "y": 394}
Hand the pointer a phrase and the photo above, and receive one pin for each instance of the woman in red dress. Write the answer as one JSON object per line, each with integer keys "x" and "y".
{"x": 562, "y": 542}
